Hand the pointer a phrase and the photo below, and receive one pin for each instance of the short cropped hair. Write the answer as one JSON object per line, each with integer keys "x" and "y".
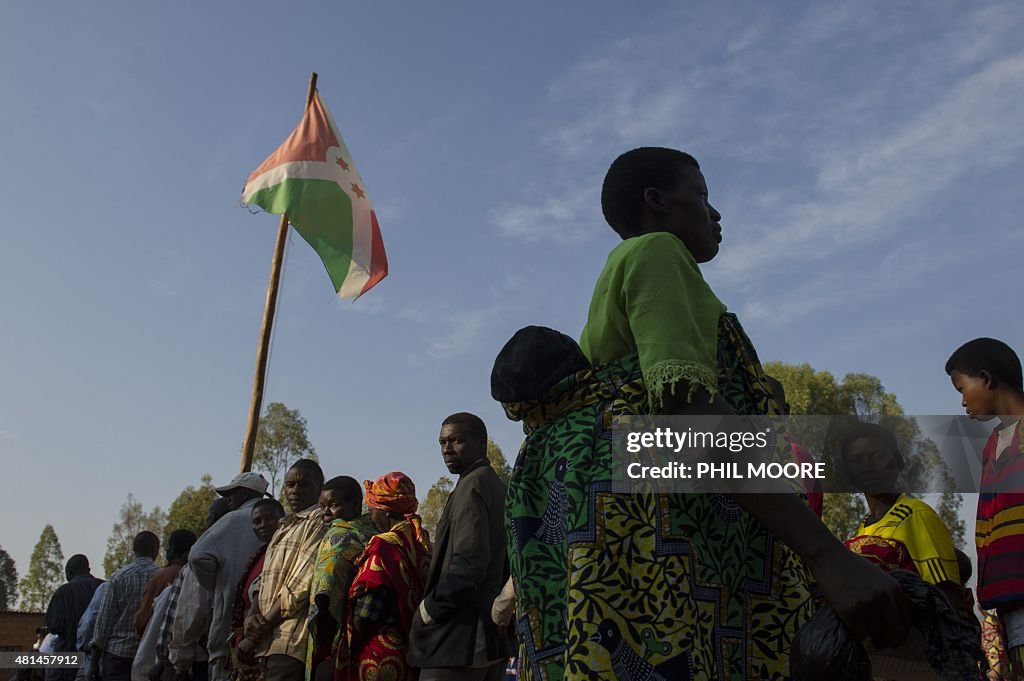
{"x": 474, "y": 423}
{"x": 146, "y": 544}
{"x": 77, "y": 565}
{"x": 349, "y": 488}
{"x": 622, "y": 193}
{"x": 180, "y": 542}
{"x": 873, "y": 431}
{"x": 989, "y": 355}
{"x": 311, "y": 467}
{"x": 273, "y": 503}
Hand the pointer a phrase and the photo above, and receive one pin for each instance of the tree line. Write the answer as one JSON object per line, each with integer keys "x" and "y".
{"x": 282, "y": 438}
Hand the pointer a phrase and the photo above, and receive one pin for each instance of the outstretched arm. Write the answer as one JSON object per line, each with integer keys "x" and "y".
{"x": 875, "y": 608}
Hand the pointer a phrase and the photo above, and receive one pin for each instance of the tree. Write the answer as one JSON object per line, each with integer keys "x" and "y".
{"x": 133, "y": 519}
{"x": 8, "y": 580}
{"x": 45, "y": 572}
{"x": 498, "y": 461}
{"x": 842, "y": 513}
{"x": 281, "y": 440}
{"x": 188, "y": 511}
{"x": 817, "y": 393}
{"x": 437, "y": 496}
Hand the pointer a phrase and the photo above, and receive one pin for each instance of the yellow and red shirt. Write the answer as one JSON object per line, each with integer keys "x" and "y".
{"x": 915, "y": 526}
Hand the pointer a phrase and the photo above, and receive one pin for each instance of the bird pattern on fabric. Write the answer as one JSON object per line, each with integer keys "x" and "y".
{"x": 628, "y": 665}
{"x": 550, "y": 528}
{"x": 707, "y": 580}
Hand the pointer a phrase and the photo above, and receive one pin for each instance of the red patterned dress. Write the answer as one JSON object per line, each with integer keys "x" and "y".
{"x": 385, "y": 593}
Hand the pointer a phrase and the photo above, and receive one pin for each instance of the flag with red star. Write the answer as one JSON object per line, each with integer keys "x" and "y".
{"x": 311, "y": 179}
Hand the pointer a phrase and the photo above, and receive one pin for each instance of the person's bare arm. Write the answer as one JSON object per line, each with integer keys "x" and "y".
{"x": 255, "y": 625}
{"x": 875, "y": 608}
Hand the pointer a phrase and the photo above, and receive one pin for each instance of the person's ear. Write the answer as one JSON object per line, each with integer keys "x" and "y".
{"x": 990, "y": 381}
{"x": 655, "y": 200}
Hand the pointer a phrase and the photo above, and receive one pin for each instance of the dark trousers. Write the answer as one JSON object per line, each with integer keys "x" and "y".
{"x": 115, "y": 668}
{"x": 324, "y": 670}
{"x": 200, "y": 671}
{"x": 495, "y": 672}
{"x": 283, "y": 668}
{"x": 61, "y": 673}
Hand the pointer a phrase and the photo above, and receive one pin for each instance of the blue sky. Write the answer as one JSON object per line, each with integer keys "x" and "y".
{"x": 866, "y": 160}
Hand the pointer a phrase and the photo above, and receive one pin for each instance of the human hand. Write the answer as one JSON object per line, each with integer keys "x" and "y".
{"x": 256, "y": 627}
{"x": 868, "y": 601}
{"x": 93, "y": 674}
{"x": 247, "y": 651}
{"x": 156, "y": 672}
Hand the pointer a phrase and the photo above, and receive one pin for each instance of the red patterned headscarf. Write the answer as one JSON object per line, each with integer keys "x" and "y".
{"x": 394, "y": 493}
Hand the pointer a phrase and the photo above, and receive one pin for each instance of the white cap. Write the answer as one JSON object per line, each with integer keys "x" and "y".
{"x": 250, "y": 480}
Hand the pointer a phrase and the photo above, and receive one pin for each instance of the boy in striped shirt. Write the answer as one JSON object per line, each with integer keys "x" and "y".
{"x": 987, "y": 373}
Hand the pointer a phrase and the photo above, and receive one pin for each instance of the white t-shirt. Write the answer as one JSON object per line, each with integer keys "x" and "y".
{"x": 1006, "y": 437}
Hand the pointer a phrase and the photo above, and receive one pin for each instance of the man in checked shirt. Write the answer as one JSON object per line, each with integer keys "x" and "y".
{"x": 279, "y": 620}
{"x": 114, "y": 638}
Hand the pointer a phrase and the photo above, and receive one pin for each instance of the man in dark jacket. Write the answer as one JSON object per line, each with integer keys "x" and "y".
{"x": 453, "y": 637}
{"x": 66, "y": 608}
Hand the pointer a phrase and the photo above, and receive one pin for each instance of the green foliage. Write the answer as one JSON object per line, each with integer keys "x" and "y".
{"x": 8, "y": 581}
{"x": 45, "y": 572}
{"x": 808, "y": 392}
{"x": 498, "y": 461}
{"x": 132, "y": 520}
{"x": 817, "y": 393}
{"x": 431, "y": 507}
{"x": 842, "y": 513}
{"x": 437, "y": 496}
{"x": 188, "y": 511}
{"x": 281, "y": 440}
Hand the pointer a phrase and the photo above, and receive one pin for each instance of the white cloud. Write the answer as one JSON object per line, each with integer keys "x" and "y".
{"x": 870, "y": 191}
{"x": 567, "y": 215}
{"x": 824, "y": 137}
{"x": 459, "y": 332}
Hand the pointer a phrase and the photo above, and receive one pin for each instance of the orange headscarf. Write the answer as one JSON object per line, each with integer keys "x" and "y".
{"x": 394, "y": 493}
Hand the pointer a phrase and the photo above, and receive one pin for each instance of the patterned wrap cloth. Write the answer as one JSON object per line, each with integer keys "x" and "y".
{"x": 335, "y": 569}
{"x": 683, "y": 586}
{"x": 387, "y": 589}
{"x": 651, "y": 586}
{"x": 394, "y": 493}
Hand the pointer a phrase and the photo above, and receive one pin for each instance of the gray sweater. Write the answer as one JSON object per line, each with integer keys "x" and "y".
{"x": 218, "y": 559}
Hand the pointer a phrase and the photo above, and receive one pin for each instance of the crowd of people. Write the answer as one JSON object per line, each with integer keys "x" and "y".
{"x": 571, "y": 578}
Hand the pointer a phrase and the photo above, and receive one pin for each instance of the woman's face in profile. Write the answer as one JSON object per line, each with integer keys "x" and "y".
{"x": 687, "y": 214}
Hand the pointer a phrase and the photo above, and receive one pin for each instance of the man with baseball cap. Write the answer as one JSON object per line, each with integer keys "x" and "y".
{"x": 219, "y": 558}
{"x": 243, "y": 487}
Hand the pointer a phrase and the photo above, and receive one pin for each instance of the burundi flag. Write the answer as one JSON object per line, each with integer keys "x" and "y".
{"x": 311, "y": 178}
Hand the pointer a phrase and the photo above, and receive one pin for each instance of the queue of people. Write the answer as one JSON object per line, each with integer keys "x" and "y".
{"x": 574, "y": 579}
{"x": 325, "y": 591}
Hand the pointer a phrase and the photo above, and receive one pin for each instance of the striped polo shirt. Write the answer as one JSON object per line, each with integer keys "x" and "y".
{"x": 999, "y": 534}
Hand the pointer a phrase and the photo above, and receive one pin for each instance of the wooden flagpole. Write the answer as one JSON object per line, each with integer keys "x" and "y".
{"x": 263, "y": 350}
